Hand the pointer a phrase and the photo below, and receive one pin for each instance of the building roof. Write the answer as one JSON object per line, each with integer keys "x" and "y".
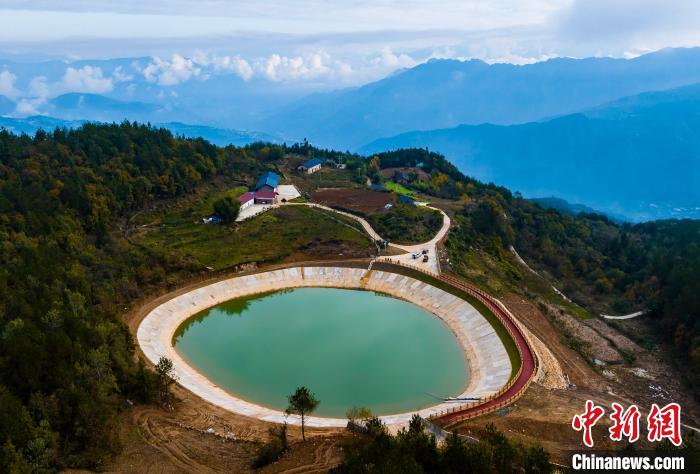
{"x": 244, "y": 198}
{"x": 269, "y": 178}
{"x": 265, "y": 195}
{"x": 312, "y": 162}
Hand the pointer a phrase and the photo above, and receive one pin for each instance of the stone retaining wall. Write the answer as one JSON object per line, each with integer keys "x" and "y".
{"x": 488, "y": 360}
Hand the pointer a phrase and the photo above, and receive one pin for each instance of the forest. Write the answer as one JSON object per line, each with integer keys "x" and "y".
{"x": 406, "y": 223}
{"x": 412, "y": 450}
{"x": 68, "y": 271}
{"x": 603, "y": 266}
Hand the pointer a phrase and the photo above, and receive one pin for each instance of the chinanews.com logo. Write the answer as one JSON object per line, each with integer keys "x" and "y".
{"x": 663, "y": 424}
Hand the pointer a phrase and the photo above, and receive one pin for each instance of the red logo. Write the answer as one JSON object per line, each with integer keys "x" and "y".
{"x": 586, "y": 420}
{"x": 662, "y": 423}
{"x": 625, "y": 423}
{"x": 665, "y": 423}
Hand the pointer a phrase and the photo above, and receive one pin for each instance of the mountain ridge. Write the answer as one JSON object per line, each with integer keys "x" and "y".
{"x": 447, "y": 93}
{"x": 637, "y": 157}
{"x": 217, "y": 136}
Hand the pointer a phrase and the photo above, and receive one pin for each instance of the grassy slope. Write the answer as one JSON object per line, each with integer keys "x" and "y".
{"x": 503, "y": 275}
{"x": 397, "y": 188}
{"x": 287, "y": 233}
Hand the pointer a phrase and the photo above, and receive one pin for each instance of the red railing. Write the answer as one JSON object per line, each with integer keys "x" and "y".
{"x": 517, "y": 385}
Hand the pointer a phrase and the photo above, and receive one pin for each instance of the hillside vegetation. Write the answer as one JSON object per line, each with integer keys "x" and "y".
{"x": 279, "y": 234}
{"x": 70, "y": 264}
{"x": 601, "y": 265}
{"x": 406, "y": 224}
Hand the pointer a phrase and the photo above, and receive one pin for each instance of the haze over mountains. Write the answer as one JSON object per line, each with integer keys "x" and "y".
{"x": 447, "y": 93}
{"x": 639, "y": 156}
{"x": 218, "y": 136}
{"x": 615, "y": 134}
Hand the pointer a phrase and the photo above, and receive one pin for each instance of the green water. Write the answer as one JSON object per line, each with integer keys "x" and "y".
{"x": 350, "y": 347}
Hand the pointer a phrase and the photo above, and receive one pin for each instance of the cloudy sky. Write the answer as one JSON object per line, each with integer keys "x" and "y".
{"x": 321, "y": 42}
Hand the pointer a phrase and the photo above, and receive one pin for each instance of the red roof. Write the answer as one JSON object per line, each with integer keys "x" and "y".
{"x": 266, "y": 195}
{"x": 246, "y": 197}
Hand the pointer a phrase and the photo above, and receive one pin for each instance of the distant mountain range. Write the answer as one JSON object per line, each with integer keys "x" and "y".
{"x": 448, "y": 93}
{"x": 81, "y": 106}
{"x": 619, "y": 135}
{"x": 218, "y": 136}
{"x": 638, "y": 156}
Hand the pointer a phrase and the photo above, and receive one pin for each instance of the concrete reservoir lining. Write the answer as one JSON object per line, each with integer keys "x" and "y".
{"x": 489, "y": 364}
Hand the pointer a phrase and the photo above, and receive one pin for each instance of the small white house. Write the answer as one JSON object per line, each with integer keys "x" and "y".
{"x": 246, "y": 200}
{"x": 311, "y": 166}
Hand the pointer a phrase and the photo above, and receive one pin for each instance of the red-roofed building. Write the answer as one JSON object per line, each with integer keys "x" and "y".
{"x": 246, "y": 200}
{"x": 265, "y": 197}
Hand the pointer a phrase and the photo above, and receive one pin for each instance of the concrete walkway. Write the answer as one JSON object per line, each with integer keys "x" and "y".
{"x": 625, "y": 316}
{"x": 365, "y": 225}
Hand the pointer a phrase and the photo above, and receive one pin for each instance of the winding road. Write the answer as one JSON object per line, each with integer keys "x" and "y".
{"x": 432, "y": 265}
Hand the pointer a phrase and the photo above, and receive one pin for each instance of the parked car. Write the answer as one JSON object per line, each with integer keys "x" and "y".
{"x": 416, "y": 255}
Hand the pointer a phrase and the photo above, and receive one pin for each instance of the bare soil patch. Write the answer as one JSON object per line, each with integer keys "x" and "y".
{"x": 594, "y": 345}
{"x": 620, "y": 341}
{"x": 354, "y": 199}
{"x": 199, "y": 438}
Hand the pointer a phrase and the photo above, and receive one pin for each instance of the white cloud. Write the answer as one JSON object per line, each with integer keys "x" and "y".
{"x": 318, "y": 65}
{"x": 39, "y": 87}
{"x": 7, "y": 84}
{"x": 171, "y": 72}
{"x": 120, "y": 76}
{"x": 87, "y": 79}
{"x": 276, "y": 38}
{"x": 234, "y": 64}
{"x": 26, "y": 107}
{"x": 388, "y": 60}
{"x": 164, "y": 18}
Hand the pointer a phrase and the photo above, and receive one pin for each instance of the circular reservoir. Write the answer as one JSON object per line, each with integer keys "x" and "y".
{"x": 349, "y": 347}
